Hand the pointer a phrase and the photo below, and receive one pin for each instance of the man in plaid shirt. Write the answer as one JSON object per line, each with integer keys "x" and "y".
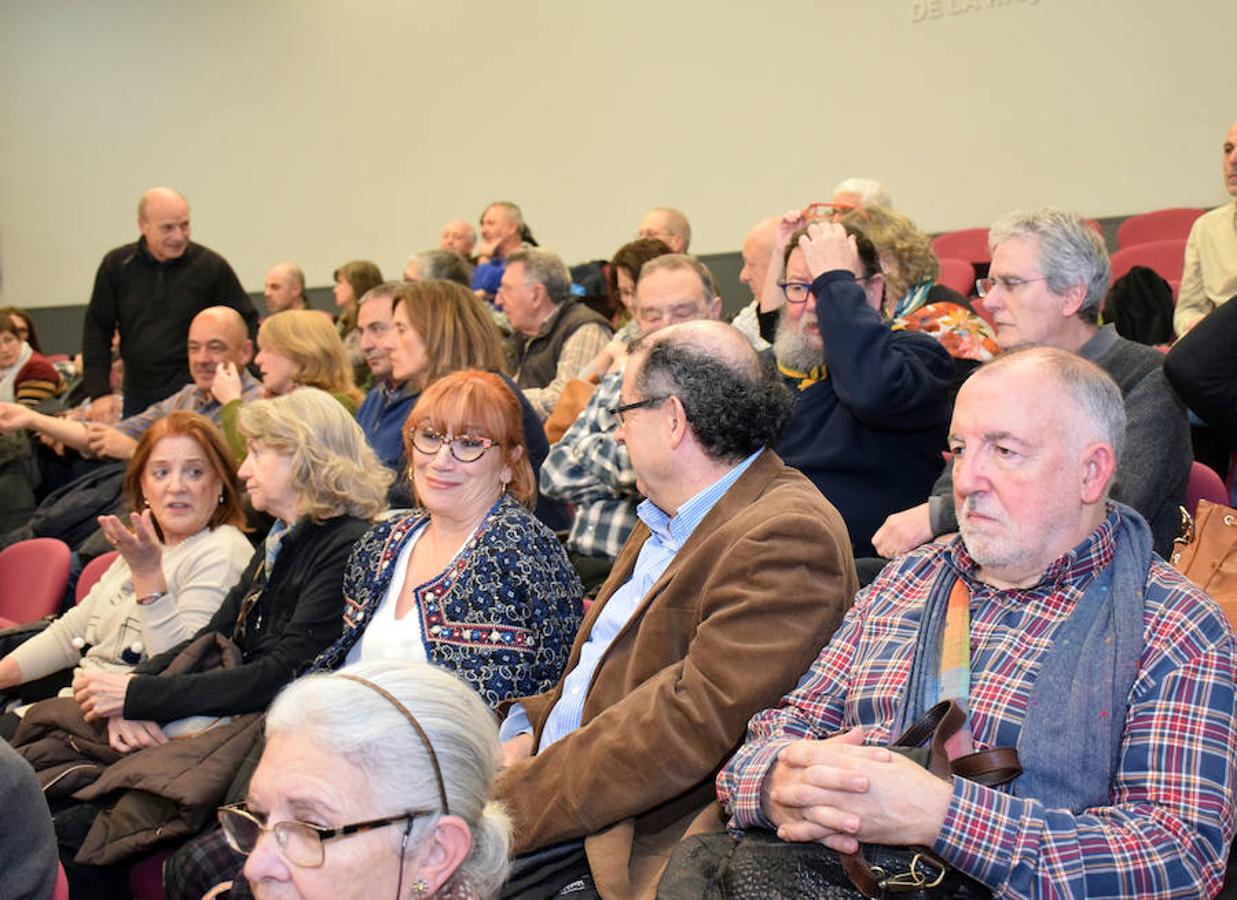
{"x": 1126, "y": 738}
{"x": 588, "y": 467}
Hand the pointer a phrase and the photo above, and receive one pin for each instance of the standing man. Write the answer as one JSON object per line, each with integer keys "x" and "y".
{"x": 1210, "y": 274}
{"x": 284, "y": 288}
{"x": 150, "y": 291}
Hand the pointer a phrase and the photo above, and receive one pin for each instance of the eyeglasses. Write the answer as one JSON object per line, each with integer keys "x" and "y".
{"x": 795, "y": 292}
{"x": 465, "y": 447}
{"x": 619, "y": 411}
{"x": 299, "y": 842}
{"x": 984, "y": 286}
{"x": 819, "y": 212}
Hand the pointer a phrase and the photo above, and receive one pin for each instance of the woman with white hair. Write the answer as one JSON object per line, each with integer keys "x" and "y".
{"x": 375, "y": 782}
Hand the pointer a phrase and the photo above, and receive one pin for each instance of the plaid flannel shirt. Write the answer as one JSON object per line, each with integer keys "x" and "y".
{"x": 591, "y": 470}
{"x": 1166, "y": 829}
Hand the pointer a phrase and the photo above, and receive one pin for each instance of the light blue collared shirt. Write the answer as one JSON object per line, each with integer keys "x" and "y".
{"x": 668, "y": 535}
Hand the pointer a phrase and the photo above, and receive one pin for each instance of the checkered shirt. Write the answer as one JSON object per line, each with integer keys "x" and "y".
{"x": 1166, "y": 829}
{"x": 591, "y": 470}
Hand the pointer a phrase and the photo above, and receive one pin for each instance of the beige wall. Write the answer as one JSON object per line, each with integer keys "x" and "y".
{"x": 323, "y": 130}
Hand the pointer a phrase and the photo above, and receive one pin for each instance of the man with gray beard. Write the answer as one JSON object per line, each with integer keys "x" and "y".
{"x": 872, "y": 403}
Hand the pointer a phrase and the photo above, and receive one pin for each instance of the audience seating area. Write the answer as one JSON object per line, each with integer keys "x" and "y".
{"x": 1158, "y": 225}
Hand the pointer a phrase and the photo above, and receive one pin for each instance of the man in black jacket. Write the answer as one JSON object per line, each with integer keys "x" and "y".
{"x": 150, "y": 290}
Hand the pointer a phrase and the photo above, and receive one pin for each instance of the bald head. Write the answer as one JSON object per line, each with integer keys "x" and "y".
{"x": 217, "y": 334}
{"x": 732, "y": 407}
{"x": 1035, "y": 438}
{"x": 758, "y": 248}
{"x": 458, "y": 236}
{"x": 163, "y": 220}
{"x": 284, "y": 287}
{"x": 667, "y": 225}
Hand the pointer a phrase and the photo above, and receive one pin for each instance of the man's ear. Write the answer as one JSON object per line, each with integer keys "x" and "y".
{"x": 676, "y": 420}
{"x": 874, "y": 291}
{"x": 1099, "y": 465}
{"x": 246, "y": 354}
{"x": 715, "y": 308}
{"x": 1073, "y": 300}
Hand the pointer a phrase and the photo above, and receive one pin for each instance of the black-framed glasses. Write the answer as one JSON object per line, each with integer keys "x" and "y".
{"x": 299, "y": 842}
{"x": 619, "y": 411}
{"x": 464, "y": 447}
{"x": 795, "y": 292}
{"x": 984, "y": 286}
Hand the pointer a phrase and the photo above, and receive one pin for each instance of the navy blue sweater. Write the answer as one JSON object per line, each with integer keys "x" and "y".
{"x": 870, "y": 434}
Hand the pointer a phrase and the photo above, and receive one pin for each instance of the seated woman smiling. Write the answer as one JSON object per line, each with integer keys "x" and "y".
{"x": 185, "y": 551}
{"x": 470, "y": 580}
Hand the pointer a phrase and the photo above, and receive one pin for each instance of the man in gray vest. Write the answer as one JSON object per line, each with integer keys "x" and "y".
{"x": 554, "y": 337}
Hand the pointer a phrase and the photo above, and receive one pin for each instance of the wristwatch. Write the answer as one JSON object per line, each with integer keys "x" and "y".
{"x": 147, "y": 599}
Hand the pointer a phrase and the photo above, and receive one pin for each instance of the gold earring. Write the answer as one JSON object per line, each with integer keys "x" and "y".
{"x": 421, "y": 887}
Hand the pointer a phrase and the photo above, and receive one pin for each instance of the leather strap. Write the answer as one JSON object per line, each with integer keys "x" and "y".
{"x": 987, "y": 767}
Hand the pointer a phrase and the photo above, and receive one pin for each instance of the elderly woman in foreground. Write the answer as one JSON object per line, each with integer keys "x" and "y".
{"x": 375, "y": 782}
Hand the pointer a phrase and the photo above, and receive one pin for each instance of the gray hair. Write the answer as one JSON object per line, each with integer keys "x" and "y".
{"x": 1092, "y": 391}
{"x": 734, "y": 406}
{"x": 368, "y": 731}
{"x": 676, "y": 223}
{"x": 513, "y": 211}
{"x": 443, "y": 265}
{"x": 871, "y": 192}
{"x": 675, "y": 262}
{"x": 385, "y": 291}
{"x": 544, "y": 268}
{"x": 1070, "y": 252}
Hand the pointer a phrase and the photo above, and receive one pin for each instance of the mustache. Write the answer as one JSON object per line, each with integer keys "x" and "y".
{"x": 979, "y": 505}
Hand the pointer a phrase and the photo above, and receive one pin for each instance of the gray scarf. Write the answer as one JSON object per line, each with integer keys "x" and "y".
{"x": 1070, "y": 740}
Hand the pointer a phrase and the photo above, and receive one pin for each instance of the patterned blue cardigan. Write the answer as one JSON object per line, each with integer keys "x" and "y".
{"x": 502, "y": 616}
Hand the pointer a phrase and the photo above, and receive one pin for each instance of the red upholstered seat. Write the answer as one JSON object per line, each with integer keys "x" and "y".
{"x": 957, "y": 274}
{"x": 33, "y": 576}
{"x": 1157, "y": 225}
{"x": 91, "y": 574}
{"x": 1204, "y": 484}
{"x": 970, "y": 244}
{"x": 1167, "y": 258}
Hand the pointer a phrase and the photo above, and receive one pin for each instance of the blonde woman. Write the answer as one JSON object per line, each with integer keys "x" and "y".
{"x": 296, "y": 348}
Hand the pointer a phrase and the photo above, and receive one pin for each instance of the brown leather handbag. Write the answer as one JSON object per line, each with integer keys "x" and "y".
{"x": 757, "y": 864}
{"x": 1207, "y": 553}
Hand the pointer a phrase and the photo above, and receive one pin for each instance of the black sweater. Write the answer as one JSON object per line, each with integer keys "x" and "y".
{"x": 871, "y": 434}
{"x": 298, "y": 615}
{"x": 153, "y": 303}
